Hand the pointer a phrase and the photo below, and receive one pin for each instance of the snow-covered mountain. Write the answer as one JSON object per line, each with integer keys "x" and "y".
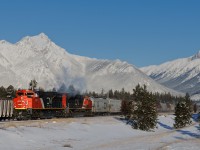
{"x": 37, "y": 57}
{"x": 182, "y": 74}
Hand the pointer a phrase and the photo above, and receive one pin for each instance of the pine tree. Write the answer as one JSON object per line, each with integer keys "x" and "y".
{"x": 54, "y": 89}
{"x": 62, "y": 88}
{"x": 126, "y": 108}
{"x": 3, "y": 92}
{"x": 188, "y": 102}
{"x": 41, "y": 89}
{"x": 10, "y": 91}
{"x": 33, "y": 84}
{"x": 144, "y": 114}
{"x": 71, "y": 89}
{"x": 195, "y": 108}
{"x": 110, "y": 93}
{"x": 183, "y": 113}
{"x": 94, "y": 94}
{"x": 102, "y": 92}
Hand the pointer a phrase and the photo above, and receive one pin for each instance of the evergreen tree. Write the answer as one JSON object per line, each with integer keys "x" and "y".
{"x": 41, "y": 89}
{"x": 3, "y": 92}
{"x": 94, "y": 94}
{"x": 102, "y": 92}
{"x": 126, "y": 108}
{"x": 183, "y": 113}
{"x": 195, "y": 108}
{"x": 54, "y": 89}
{"x": 188, "y": 102}
{"x": 10, "y": 91}
{"x": 62, "y": 88}
{"x": 33, "y": 84}
{"x": 144, "y": 113}
{"x": 110, "y": 93}
{"x": 122, "y": 94}
{"x": 71, "y": 89}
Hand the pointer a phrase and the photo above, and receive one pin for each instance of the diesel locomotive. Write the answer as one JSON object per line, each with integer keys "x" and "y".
{"x": 30, "y": 104}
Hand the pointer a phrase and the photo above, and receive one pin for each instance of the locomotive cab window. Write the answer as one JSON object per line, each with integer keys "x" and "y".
{"x": 29, "y": 94}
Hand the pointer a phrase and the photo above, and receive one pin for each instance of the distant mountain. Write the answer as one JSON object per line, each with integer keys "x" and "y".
{"x": 182, "y": 74}
{"x": 37, "y": 57}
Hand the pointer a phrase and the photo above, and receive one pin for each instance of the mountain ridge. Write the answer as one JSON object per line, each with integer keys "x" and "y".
{"x": 37, "y": 57}
{"x": 181, "y": 74}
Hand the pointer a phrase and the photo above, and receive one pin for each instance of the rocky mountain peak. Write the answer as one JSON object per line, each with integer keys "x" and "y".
{"x": 196, "y": 56}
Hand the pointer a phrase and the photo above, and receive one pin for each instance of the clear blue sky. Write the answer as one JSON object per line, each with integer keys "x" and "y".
{"x": 141, "y": 32}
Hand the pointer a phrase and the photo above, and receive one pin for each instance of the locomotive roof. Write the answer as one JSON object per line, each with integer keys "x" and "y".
{"x": 24, "y": 91}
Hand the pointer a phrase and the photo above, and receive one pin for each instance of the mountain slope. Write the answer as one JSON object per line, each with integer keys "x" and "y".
{"x": 181, "y": 74}
{"x": 37, "y": 57}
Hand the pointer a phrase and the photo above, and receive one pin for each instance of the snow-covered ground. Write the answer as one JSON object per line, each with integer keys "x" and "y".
{"x": 96, "y": 133}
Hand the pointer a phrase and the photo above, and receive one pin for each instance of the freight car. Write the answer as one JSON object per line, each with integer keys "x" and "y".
{"x": 99, "y": 106}
{"x": 105, "y": 106}
{"x": 6, "y": 108}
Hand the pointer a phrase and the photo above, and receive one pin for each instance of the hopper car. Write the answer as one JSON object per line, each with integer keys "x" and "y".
{"x": 6, "y": 108}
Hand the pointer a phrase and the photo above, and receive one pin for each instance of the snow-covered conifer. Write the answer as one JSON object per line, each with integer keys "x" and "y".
{"x": 144, "y": 114}
{"x": 183, "y": 113}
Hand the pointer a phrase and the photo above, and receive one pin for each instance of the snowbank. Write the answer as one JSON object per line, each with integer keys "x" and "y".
{"x": 93, "y": 133}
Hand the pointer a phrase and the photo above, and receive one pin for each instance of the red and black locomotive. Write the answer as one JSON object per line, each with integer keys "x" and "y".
{"x": 29, "y": 104}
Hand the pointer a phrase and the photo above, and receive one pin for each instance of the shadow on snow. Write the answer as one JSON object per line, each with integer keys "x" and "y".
{"x": 183, "y": 132}
{"x": 189, "y": 133}
{"x": 122, "y": 119}
{"x": 165, "y": 126}
{"x": 195, "y": 117}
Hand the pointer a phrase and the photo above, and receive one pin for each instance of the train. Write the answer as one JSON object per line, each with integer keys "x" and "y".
{"x": 29, "y": 104}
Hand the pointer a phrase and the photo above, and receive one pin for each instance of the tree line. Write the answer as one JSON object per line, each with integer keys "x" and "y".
{"x": 128, "y": 96}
